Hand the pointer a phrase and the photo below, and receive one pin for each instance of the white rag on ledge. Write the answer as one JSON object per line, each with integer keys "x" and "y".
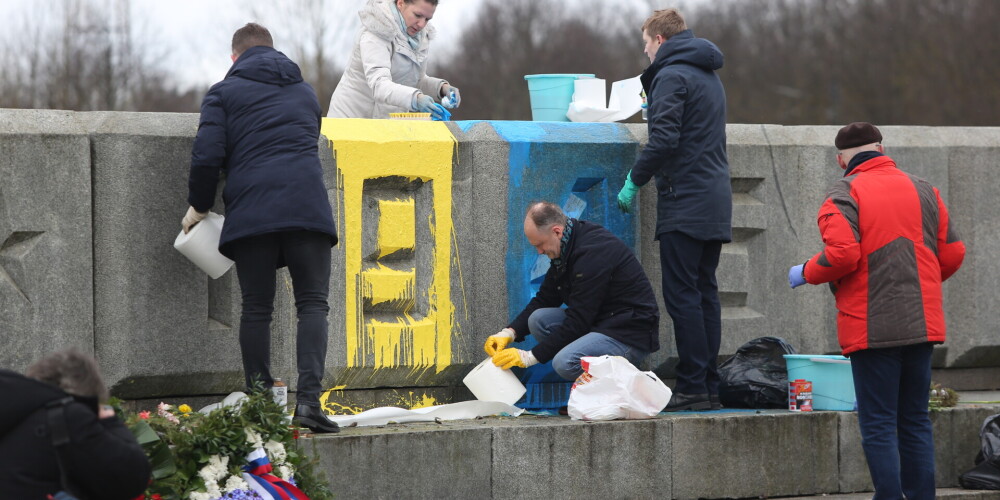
{"x": 453, "y": 411}
{"x": 588, "y": 100}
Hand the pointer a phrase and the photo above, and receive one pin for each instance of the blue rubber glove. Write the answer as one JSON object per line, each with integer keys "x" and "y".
{"x": 627, "y": 194}
{"x": 796, "y": 275}
{"x": 425, "y": 104}
{"x": 452, "y": 97}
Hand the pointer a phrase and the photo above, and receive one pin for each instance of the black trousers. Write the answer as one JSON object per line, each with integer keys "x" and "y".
{"x": 307, "y": 254}
{"x": 691, "y": 294}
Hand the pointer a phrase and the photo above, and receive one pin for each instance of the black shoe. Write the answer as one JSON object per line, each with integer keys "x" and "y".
{"x": 313, "y": 418}
{"x": 714, "y": 399}
{"x": 688, "y": 402}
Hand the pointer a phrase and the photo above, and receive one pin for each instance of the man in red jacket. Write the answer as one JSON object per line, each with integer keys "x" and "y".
{"x": 888, "y": 246}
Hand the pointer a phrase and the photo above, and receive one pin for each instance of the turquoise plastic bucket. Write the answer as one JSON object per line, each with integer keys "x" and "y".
{"x": 551, "y": 95}
{"x": 831, "y": 377}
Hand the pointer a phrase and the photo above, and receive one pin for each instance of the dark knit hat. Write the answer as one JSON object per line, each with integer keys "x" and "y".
{"x": 857, "y": 134}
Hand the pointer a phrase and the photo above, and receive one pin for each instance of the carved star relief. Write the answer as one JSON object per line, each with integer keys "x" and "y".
{"x": 17, "y": 245}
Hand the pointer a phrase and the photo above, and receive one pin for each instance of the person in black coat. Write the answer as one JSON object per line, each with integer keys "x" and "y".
{"x": 261, "y": 126}
{"x": 610, "y": 306}
{"x": 60, "y": 397}
{"x": 686, "y": 152}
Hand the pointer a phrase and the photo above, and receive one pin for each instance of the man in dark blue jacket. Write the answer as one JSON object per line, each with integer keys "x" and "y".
{"x": 261, "y": 125}
{"x": 610, "y": 306}
{"x": 687, "y": 154}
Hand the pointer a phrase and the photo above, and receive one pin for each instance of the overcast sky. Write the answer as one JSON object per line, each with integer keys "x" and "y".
{"x": 193, "y": 36}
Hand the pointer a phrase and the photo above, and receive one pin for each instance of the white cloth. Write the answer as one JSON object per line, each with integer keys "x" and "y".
{"x": 453, "y": 411}
{"x": 383, "y": 73}
{"x": 588, "y": 100}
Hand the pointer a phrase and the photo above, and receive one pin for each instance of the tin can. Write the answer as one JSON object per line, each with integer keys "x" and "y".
{"x": 280, "y": 392}
{"x": 800, "y": 395}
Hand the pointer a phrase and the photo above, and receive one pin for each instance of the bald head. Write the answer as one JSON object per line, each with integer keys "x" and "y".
{"x": 544, "y": 224}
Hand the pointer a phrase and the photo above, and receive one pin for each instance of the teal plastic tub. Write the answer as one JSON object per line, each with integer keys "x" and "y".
{"x": 831, "y": 377}
{"x": 551, "y": 95}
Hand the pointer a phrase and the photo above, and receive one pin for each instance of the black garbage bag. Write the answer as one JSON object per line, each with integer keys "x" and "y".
{"x": 986, "y": 474}
{"x": 756, "y": 376}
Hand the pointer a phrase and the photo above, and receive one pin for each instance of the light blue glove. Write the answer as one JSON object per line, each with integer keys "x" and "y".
{"x": 425, "y": 104}
{"x": 452, "y": 99}
{"x": 627, "y": 194}
{"x": 796, "y": 275}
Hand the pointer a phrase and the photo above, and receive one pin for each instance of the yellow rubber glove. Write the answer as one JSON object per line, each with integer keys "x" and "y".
{"x": 499, "y": 342}
{"x": 509, "y": 358}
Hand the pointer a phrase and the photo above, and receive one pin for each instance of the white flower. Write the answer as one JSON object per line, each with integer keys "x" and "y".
{"x": 213, "y": 490}
{"x": 276, "y": 451}
{"x": 284, "y": 472}
{"x": 235, "y": 483}
{"x": 199, "y": 495}
{"x": 213, "y": 472}
{"x": 253, "y": 439}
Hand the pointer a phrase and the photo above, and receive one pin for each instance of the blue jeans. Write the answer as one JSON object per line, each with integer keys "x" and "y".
{"x": 691, "y": 294}
{"x": 567, "y": 361}
{"x": 308, "y": 256}
{"x": 892, "y": 386}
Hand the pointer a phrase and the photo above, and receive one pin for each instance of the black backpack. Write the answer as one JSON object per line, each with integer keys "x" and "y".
{"x": 986, "y": 474}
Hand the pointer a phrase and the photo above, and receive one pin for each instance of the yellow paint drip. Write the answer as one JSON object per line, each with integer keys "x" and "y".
{"x": 396, "y": 226}
{"x": 333, "y": 408}
{"x": 384, "y": 285}
{"x": 374, "y": 149}
{"x": 403, "y": 343}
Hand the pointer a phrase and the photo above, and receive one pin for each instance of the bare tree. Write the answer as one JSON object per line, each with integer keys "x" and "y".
{"x": 306, "y": 30}
{"x": 81, "y": 55}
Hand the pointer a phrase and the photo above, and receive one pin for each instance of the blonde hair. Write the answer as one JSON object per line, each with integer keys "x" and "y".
{"x": 666, "y": 23}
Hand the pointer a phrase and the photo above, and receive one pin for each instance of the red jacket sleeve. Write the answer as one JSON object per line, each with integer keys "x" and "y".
{"x": 951, "y": 250}
{"x": 838, "y": 225}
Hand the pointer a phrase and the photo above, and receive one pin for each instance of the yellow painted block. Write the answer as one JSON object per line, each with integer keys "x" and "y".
{"x": 396, "y": 226}
{"x": 384, "y": 285}
{"x": 374, "y": 149}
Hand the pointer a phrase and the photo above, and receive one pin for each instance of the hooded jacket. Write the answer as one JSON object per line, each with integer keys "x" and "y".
{"x": 383, "y": 73}
{"x": 605, "y": 290}
{"x": 261, "y": 125}
{"x": 687, "y": 140}
{"x": 888, "y": 245}
{"x": 102, "y": 458}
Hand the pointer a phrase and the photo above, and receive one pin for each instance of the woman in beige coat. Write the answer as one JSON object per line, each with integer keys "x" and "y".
{"x": 387, "y": 69}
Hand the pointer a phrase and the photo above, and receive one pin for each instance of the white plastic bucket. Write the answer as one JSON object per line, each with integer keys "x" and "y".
{"x": 489, "y": 382}
{"x": 201, "y": 245}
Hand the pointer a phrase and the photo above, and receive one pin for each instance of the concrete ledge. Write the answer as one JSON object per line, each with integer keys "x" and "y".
{"x": 724, "y": 454}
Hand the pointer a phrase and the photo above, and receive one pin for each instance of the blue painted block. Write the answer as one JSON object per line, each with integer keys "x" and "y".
{"x": 580, "y": 166}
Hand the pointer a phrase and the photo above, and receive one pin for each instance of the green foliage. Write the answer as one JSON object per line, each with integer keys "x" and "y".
{"x": 181, "y": 443}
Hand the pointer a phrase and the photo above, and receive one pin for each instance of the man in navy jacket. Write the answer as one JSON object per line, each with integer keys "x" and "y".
{"x": 261, "y": 125}
{"x": 610, "y": 306}
{"x": 687, "y": 154}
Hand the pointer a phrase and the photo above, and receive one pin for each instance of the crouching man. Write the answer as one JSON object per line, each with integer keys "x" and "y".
{"x": 610, "y": 306}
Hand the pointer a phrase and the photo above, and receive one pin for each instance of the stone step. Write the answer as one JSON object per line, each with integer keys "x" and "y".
{"x": 720, "y": 454}
{"x": 942, "y": 494}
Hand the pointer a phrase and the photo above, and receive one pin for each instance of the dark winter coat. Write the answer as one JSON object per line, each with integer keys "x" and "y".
{"x": 261, "y": 125}
{"x": 687, "y": 140}
{"x": 102, "y": 458}
{"x": 605, "y": 290}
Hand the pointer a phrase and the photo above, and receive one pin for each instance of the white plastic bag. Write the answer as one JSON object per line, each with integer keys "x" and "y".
{"x": 611, "y": 388}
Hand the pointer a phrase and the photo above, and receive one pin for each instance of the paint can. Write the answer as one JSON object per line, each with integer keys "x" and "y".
{"x": 800, "y": 395}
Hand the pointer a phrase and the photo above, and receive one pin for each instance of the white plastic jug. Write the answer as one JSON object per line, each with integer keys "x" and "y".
{"x": 489, "y": 382}
{"x": 201, "y": 245}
